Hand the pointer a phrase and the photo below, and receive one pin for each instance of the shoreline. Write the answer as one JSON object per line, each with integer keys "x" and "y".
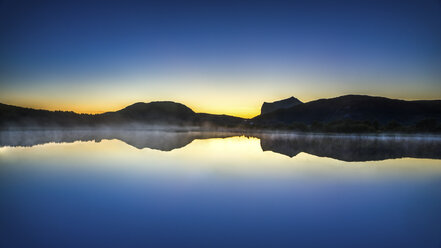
{"x": 237, "y": 131}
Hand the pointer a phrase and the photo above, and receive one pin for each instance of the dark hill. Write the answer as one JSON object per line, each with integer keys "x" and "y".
{"x": 350, "y": 113}
{"x": 357, "y": 108}
{"x": 152, "y": 113}
{"x": 12, "y": 116}
{"x": 163, "y": 113}
{"x": 268, "y": 107}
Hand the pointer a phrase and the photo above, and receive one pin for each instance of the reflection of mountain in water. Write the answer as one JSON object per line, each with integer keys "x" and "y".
{"x": 158, "y": 140}
{"x": 353, "y": 148}
{"x": 165, "y": 141}
{"x": 346, "y": 148}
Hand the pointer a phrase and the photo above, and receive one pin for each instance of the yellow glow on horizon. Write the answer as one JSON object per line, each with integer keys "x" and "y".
{"x": 235, "y": 106}
{"x": 203, "y": 101}
{"x": 236, "y": 95}
{"x": 238, "y": 156}
{"x": 98, "y": 108}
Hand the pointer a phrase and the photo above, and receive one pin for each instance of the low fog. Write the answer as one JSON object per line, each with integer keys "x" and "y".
{"x": 167, "y": 138}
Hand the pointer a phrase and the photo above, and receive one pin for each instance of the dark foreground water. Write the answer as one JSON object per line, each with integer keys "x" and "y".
{"x": 137, "y": 189}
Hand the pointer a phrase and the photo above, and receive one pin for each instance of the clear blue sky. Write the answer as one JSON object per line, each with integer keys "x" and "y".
{"x": 215, "y": 56}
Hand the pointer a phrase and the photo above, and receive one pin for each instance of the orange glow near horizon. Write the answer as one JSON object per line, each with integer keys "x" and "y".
{"x": 102, "y": 107}
{"x": 237, "y": 94}
{"x": 240, "y": 96}
{"x": 235, "y": 106}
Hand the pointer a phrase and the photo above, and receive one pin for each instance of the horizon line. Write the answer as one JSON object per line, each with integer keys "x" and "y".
{"x": 202, "y": 112}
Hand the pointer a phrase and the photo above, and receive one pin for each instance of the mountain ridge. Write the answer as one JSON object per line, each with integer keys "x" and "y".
{"x": 348, "y": 113}
{"x": 152, "y": 113}
{"x": 268, "y": 107}
{"x": 356, "y": 107}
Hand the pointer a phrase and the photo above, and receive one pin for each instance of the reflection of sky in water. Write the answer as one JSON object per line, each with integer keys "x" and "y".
{"x": 214, "y": 192}
{"x": 235, "y": 156}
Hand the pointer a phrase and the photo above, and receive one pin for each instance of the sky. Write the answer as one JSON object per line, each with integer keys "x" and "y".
{"x": 218, "y": 57}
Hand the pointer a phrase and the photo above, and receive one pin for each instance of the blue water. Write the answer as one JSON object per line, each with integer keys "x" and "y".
{"x": 212, "y": 194}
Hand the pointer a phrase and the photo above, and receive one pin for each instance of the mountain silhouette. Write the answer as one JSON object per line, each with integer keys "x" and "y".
{"x": 268, "y": 107}
{"x": 153, "y": 113}
{"x": 350, "y": 113}
{"x": 355, "y": 107}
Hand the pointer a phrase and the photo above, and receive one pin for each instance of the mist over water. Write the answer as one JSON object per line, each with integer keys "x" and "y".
{"x": 166, "y": 138}
{"x": 137, "y": 188}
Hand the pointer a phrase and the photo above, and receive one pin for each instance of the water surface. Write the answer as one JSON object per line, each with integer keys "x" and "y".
{"x": 192, "y": 189}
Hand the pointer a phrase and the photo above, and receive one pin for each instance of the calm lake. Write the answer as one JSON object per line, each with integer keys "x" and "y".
{"x": 203, "y": 189}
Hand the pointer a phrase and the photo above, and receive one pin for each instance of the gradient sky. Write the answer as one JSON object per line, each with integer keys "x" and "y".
{"x": 215, "y": 56}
